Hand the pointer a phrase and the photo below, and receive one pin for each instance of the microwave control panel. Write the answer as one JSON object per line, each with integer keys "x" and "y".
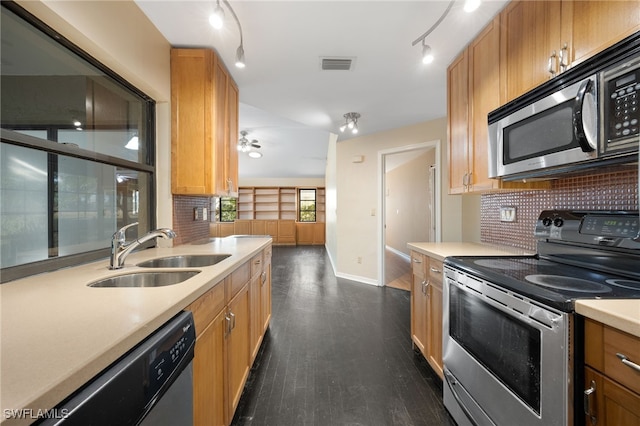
{"x": 622, "y": 105}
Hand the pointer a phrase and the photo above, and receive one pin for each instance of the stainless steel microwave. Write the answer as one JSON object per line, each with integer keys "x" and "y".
{"x": 589, "y": 121}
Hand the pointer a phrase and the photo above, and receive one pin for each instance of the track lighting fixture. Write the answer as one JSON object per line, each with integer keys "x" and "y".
{"x": 427, "y": 55}
{"x": 217, "y": 21}
{"x": 350, "y": 122}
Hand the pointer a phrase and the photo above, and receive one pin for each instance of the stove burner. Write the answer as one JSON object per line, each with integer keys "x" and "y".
{"x": 568, "y": 283}
{"x": 629, "y": 284}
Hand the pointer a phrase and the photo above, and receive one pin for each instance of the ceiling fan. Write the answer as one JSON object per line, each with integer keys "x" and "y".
{"x": 244, "y": 145}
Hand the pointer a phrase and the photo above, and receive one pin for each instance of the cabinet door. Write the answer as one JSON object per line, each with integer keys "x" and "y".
{"x": 434, "y": 316}
{"x": 231, "y": 155}
{"x": 304, "y": 233}
{"x": 271, "y": 228}
{"x": 192, "y": 158}
{"x": 237, "y": 348}
{"x": 265, "y": 297}
{"x": 484, "y": 83}
{"x": 318, "y": 233}
{"x": 419, "y": 302}
{"x": 258, "y": 227}
{"x": 530, "y": 34}
{"x": 591, "y": 26}
{"x": 208, "y": 374}
{"x": 255, "y": 304}
{"x": 287, "y": 232}
{"x": 458, "y": 128}
{"x": 610, "y": 404}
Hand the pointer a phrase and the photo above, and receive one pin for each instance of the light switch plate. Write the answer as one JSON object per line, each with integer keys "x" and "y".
{"x": 507, "y": 214}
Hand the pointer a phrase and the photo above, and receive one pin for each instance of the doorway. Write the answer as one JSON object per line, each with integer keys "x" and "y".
{"x": 409, "y": 206}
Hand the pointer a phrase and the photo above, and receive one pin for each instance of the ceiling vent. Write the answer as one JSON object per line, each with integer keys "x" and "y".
{"x": 337, "y": 63}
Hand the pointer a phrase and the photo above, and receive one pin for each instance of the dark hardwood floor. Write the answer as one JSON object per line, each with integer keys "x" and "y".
{"x": 337, "y": 352}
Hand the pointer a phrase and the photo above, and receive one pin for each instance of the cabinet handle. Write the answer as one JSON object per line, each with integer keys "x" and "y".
{"x": 425, "y": 284}
{"x": 552, "y": 65}
{"x": 589, "y": 408}
{"x": 625, "y": 360}
{"x": 233, "y": 320}
{"x": 465, "y": 180}
{"x": 435, "y": 270}
{"x": 264, "y": 277}
{"x": 227, "y": 319}
{"x": 416, "y": 260}
{"x": 564, "y": 58}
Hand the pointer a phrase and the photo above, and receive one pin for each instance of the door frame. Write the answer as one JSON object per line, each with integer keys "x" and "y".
{"x": 436, "y": 144}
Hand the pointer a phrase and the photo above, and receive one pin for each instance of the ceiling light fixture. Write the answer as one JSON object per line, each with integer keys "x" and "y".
{"x": 427, "y": 55}
{"x": 244, "y": 145}
{"x": 254, "y": 154}
{"x": 350, "y": 122}
{"x": 216, "y": 19}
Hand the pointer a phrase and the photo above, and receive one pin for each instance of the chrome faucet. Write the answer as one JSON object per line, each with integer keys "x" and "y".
{"x": 120, "y": 249}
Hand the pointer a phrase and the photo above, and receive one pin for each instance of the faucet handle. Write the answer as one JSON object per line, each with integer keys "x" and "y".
{"x": 120, "y": 233}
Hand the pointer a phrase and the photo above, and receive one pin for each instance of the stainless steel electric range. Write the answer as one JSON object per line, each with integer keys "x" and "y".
{"x": 509, "y": 347}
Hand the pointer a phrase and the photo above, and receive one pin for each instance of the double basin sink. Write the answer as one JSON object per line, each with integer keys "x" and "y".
{"x": 162, "y": 278}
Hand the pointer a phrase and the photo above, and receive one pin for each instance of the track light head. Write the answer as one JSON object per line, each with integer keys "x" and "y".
{"x": 240, "y": 57}
{"x": 471, "y": 5}
{"x": 427, "y": 55}
{"x": 216, "y": 19}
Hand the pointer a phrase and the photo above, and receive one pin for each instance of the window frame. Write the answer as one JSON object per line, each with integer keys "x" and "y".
{"x": 147, "y": 164}
{"x": 220, "y": 210}
{"x": 301, "y": 210}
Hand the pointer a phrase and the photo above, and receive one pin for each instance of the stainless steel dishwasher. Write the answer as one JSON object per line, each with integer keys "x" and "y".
{"x": 150, "y": 385}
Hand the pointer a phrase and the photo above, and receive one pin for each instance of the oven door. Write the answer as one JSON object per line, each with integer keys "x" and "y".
{"x": 506, "y": 358}
{"x": 554, "y": 132}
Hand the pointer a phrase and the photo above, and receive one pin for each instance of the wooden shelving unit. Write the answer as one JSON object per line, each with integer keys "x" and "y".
{"x": 274, "y": 211}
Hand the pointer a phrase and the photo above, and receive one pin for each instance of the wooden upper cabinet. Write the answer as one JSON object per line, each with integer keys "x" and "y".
{"x": 458, "y": 123}
{"x": 530, "y": 35}
{"x": 484, "y": 85}
{"x": 591, "y": 26}
{"x": 204, "y": 120}
{"x": 541, "y": 39}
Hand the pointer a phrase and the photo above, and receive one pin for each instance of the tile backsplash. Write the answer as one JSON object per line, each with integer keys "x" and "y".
{"x": 612, "y": 189}
{"x": 189, "y": 230}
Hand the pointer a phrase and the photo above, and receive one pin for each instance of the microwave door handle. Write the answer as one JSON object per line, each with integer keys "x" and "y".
{"x": 585, "y": 137}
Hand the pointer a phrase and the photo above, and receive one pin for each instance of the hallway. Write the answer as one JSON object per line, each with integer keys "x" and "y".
{"x": 337, "y": 353}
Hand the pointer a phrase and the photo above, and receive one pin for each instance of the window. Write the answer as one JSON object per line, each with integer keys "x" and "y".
{"x": 77, "y": 151}
{"x": 306, "y": 205}
{"x": 225, "y": 209}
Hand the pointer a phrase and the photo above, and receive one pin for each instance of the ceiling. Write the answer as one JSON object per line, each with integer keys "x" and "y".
{"x": 289, "y": 104}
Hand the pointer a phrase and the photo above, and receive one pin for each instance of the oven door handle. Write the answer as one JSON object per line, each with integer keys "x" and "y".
{"x": 451, "y": 382}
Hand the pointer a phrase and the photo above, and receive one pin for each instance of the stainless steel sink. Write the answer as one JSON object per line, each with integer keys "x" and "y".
{"x": 145, "y": 279}
{"x": 185, "y": 261}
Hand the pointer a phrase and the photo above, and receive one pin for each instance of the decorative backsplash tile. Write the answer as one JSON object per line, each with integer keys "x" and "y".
{"x": 613, "y": 189}
{"x": 187, "y": 229}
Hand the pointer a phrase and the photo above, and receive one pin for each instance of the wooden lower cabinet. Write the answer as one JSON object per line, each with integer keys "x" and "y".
{"x": 287, "y": 232}
{"x": 426, "y": 308}
{"x": 612, "y": 389}
{"x": 310, "y": 233}
{"x": 265, "y": 291}
{"x": 225, "y": 318}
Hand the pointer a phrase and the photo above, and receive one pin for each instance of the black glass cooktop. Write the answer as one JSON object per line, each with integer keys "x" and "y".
{"x": 551, "y": 283}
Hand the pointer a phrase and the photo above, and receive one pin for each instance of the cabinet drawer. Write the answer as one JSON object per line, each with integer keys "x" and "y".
{"x": 238, "y": 279}
{"x": 256, "y": 265}
{"x": 435, "y": 272}
{"x": 418, "y": 264}
{"x": 628, "y": 346}
{"x": 207, "y": 307}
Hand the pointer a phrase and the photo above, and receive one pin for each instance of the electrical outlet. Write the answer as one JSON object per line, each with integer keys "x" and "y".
{"x": 195, "y": 213}
{"x": 205, "y": 214}
{"x": 507, "y": 214}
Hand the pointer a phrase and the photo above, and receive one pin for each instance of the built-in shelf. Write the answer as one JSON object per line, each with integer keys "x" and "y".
{"x": 275, "y": 203}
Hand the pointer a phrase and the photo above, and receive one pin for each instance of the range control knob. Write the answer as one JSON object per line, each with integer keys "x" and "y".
{"x": 546, "y": 221}
{"x": 558, "y": 222}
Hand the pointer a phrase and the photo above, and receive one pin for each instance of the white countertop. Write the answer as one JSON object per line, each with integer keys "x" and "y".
{"x": 57, "y": 333}
{"x": 623, "y": 314}
{"x": 441, "y": 250}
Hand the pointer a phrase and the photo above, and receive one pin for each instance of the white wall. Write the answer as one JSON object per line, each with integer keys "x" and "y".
{"x": 105, "y": 30}
{"x": 311, "y": 182}
{"x": 357, "y": 197}
{"x": 407, "y": 196}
